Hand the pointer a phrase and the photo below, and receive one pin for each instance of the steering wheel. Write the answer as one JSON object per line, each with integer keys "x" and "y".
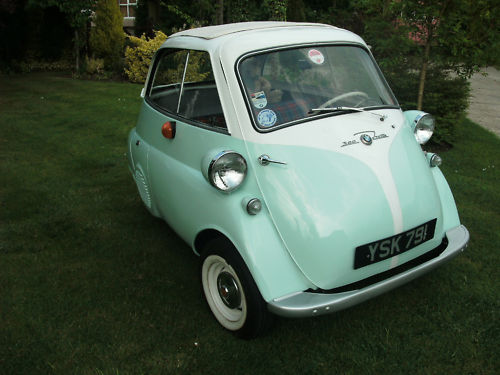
{"x": 329, "y": 102}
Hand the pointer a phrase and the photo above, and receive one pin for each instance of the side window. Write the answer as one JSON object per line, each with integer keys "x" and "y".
{"x": 167, "y": 79}
{"x": 189, "y": 91}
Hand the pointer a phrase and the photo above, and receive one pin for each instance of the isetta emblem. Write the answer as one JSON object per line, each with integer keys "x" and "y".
{"x": 366, "y": 139}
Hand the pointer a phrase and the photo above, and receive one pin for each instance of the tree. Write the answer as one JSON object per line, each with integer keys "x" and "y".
{"x": 341, "y": 13}
{"x": 77, "y": 12}
{"x": 452, "y": 34}
{"x": 245, "y": 10}
{"x": 295, "y": 11}
{"x": 12, "y": 17}
{"x": 277, "y": 9}
{"x": 219, "y": 12}
{"x": 107, "y": 37}
{"x": 428, "y": 48}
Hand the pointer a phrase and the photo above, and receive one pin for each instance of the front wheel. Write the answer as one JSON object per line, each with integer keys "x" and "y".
{"x": 231, "y": 292}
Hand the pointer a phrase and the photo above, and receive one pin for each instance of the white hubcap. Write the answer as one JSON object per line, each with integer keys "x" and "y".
{"x": 223, "y": 292}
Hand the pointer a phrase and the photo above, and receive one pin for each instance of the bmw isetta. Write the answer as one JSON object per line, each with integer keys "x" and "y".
{"x": 278, "y": 152}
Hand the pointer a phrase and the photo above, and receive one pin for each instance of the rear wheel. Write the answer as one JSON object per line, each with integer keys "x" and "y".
{"x": 231, "y": 292}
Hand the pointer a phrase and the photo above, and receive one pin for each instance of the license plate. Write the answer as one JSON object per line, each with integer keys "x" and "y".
{"x": 391, "y": 246}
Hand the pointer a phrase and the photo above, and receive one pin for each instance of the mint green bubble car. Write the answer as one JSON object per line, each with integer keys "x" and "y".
{"x": 278, "y": 152}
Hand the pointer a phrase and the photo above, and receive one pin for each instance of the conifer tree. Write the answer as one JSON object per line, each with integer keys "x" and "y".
{"x": 107, "y": 37}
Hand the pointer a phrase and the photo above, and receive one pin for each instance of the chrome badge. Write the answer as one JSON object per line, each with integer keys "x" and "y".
{"x": 366, "y": 139}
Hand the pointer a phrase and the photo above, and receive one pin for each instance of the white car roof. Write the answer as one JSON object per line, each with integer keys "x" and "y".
{"x": 212, "y": 32}
{"x": 250, "y": 36}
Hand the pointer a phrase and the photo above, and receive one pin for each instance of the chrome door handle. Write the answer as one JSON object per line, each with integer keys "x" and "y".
{"x": 265, "y": 160}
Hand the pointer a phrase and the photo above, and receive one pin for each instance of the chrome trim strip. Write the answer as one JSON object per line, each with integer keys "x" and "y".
{"x": 306, "y": 304}
{"x": 182, "y": 82}
{"x": 419, "y": 117}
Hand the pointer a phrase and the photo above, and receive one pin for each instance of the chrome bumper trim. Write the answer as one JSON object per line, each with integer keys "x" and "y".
{"x": 304, "y": 304}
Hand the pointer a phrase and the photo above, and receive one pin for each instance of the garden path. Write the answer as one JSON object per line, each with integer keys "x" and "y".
{"x": 484, "y": 107}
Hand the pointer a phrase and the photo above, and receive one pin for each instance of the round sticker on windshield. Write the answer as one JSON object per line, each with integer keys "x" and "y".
{"x": 316, "y": 56}
{"x": 267, "y": 118}
{"x": 259, "y": 99}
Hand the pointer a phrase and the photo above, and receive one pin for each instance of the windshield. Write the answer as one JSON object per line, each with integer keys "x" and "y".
{"x": 284, "y": 86}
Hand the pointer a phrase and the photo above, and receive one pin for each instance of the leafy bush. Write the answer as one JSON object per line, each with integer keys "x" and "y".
{"x": 30, "y": 65}
{"x": 107, "y": 37}
{"x": 139, "y": 55}
{"x": 94, "y": 66}
{"x": 447, "y": 99}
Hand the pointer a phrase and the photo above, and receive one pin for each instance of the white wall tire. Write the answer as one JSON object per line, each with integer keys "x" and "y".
{"x": 231, "y": 292}
{"x": 231, "y": 318}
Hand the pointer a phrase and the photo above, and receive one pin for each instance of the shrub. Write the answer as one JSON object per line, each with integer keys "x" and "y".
{"x": 107, "y": 37}
{"x": 30, "y": 65}
{"x": 94, "y": 66}
{"x": 447, "y": 99}
{"x": 139, "y": 55}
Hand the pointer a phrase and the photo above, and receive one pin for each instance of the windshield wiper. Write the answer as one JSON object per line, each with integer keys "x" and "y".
{"x": 346, "y": 109}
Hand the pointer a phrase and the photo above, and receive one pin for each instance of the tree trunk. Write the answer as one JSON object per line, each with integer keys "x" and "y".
{"x": 219, "y": 12}
{"x": 423, "y": 72}
{"x": 385, "y": 9}
{"x": 427, "y": 51}
{"x": 295, "y": 10}
{"x": 77, "y": 51}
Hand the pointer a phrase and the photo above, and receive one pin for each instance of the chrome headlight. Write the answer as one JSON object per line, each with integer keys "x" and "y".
{"x": 424, "y": 127}
{"x": 227, "y": 170}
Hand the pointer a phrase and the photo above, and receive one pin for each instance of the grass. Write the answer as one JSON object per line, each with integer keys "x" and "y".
{"x": 90, "y": 283}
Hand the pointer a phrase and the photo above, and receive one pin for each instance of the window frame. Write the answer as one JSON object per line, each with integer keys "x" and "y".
{"x": 314, "y": 117}
{"x": 176, "y": 116}
{"x": 127, "y": 5}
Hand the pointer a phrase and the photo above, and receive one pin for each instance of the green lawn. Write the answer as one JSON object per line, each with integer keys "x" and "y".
{"x": 90, "y": 283}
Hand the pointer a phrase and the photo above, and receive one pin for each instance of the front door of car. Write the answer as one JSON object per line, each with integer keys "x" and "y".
{"x": 184, "y": 121}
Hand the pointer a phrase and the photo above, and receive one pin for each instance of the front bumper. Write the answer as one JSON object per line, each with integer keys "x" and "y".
{"x": 304, "y": 304}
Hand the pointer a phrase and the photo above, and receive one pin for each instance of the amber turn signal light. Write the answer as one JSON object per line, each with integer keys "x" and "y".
{"x": 168, "y": 130}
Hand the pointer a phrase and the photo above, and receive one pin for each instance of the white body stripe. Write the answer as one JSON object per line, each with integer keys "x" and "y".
{"x": 330, "y": 133}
